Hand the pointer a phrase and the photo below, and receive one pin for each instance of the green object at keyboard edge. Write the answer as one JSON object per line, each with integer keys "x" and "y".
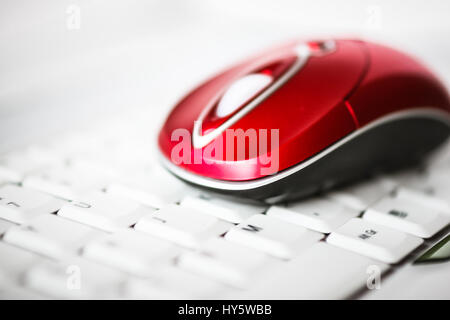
{"x": 439, "y": 253}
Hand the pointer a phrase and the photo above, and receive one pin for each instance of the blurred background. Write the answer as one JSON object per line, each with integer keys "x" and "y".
{"x": 65, "y": 63}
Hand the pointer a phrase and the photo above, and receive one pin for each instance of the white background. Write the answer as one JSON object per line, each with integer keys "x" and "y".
{"x": 146, "y": 54}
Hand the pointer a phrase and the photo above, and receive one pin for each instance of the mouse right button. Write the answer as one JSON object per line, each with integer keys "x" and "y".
{"x": 395, "y": 81}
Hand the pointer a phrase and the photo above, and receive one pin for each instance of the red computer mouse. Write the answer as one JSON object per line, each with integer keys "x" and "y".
{"x": 304, "y": 117}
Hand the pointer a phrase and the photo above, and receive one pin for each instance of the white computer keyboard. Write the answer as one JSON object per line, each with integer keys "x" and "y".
{"x": 93, "y": 215}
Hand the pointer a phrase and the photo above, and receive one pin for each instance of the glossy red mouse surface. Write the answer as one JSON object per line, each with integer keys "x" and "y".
{"x": 303, "y": 96}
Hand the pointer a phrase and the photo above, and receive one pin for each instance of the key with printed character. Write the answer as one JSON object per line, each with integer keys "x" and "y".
{"x": 51, "y": 235}
{"x": 19, "y": 204}
{"x": 104, "y": 211}
{"x": 373, "y": 240}
{"x": 410, "y": 214}
{"x": 226, "y": 261}
{"x": 273, "y": 236}
{"x": 322, "y": 215}
{"x": 131, "y": 251}
{"x": 184, "y": 226}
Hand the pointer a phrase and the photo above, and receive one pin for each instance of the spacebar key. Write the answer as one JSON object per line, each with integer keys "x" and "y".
{"x": 322, "y": 272}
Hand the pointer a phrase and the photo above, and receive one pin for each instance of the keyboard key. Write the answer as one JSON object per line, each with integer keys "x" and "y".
{"x": 46, "y": 183}
{"x": 131, "y": 251}
{"x": 21, "y": 204}
{"x": 156, "y": 189}
{"x": 439, "y": 182}
{"x": 76, "y": 144}
{"x": 273, "y": 236}
{"x": 14, "y": 166}
{"x": 321, "y": 215}
{"x": 321, "y": 272}
{"x": 175, "y": 283}
{"x": 226, "y": 261}
{"x": 360, "y": 196}
{"x": 440, "y": 158}
{"x": 190, "y": 285}
{"x": 412, "y": 179}
{"x": 10, "y": 175}
{"x": 184, "y": 226}
{"x": 408, "y": 215}
{"x": 4, "y": 282}
{"x": 373, "y": 240}
{"x": 228, "y": 210}
{"x": 50, "y": 236}
{"x": 5, "y": 225}
{"x": 76, "y": 278}
{"x": 18, "y": 292}
{"x": 119, "y": 157}
{"x": 429, "y": 200}
{"x": 150, "y": 195}
{"x": 432, "y": 186}
{"x": 15, "y": 261}
{"x": 67, "y": 182}
{"x": 105, "y": 212}
{"x": 145, "y": 289}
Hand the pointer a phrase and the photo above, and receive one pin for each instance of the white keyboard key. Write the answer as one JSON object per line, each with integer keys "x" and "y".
{"x": 407, "y": 215}
{"x": 94, "y": 173}
{"x": 428, "y": 200}
{"x": 16, "y": 165}
{"x": 75, "y": 144}
{"x": 273, "y": 236}
{"x": 432, "y": 185}
{"x": 17, "y": 292}
{"x": 21, "y": 204}
{"x": 75, "y": 279}
{"x": 3, "y": 280}
{"x": 131, "y": 251}
{"x": 184, "y": 226}
{"x": 175, "y": 283}
{"x": 429, "y": 183}
{"x": 321, "y": 272}
{"x": 156, "y": 189}
{"x": 15, "y": 261}
{"x": 152, "y": 195}
{"x": 321, "y": 215}
{"x": 440, "y": 157}
{"x": 51, "y": 236}
{"x": 120, "y": 157}
{"x": 228, "y": 210}
{"x": 67, "y": 182}
{"x": 9, "y": 175}
{"x": 105, "y": 212}
{"x": 414, "y": 178}
{"x": 360, "y": 196}
{"x": 145, "y": 289}
{"x": 373, "y": 240}
{"x": 190, "y": 285}
{"x": 59, "y": 186}
{"x": 5, "y": 225}
{"x": 225, "y": 261}
{"x": 439, "y": 182}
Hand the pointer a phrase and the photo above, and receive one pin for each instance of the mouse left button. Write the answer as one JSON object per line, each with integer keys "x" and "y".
{"x": 241, "y": 91}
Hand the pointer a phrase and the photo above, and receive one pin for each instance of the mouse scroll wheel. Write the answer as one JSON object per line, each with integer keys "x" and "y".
{"x": 241, "y": 91}
{"x": 321, "y": 47}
